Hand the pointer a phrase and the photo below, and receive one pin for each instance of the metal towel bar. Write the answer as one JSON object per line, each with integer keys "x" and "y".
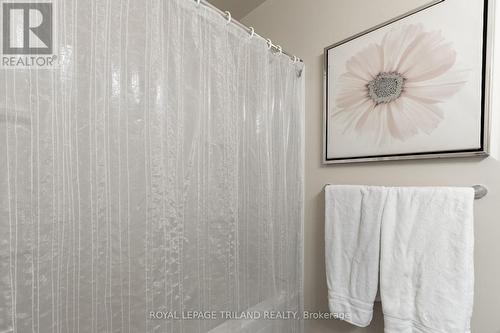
{"x": 479, "y": 191}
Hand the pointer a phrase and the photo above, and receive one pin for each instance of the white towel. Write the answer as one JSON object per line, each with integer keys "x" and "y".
{"x": 419, "y": 240}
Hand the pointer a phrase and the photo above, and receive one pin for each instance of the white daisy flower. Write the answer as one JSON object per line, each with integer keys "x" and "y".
{"x": 393, "y": 89}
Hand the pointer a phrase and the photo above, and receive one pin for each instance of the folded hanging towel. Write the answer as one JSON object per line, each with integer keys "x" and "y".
{"x": 419, "y": 240}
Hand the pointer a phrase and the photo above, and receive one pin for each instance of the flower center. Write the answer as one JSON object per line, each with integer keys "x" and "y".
{"x": 386, "y": 87}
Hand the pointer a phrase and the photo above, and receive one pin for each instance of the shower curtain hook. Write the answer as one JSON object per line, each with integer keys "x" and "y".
{"x": 198, "y": 3}
{"x": 269, "y": 43}
{"x": 228, "y": 14}
{"x": 280, "y": 49}
{"x": 252, "y": 31}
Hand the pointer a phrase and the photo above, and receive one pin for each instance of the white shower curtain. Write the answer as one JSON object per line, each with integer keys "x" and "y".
{"x": 158, "y": 168}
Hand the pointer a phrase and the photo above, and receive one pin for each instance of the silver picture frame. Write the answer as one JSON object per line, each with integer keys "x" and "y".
{"x": 484, "y": 151}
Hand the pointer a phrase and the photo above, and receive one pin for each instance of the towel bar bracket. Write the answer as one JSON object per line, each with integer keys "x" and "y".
{"x": 479, "y": 191}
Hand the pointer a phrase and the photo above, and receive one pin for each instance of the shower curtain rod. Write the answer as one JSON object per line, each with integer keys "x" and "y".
{"x": 250, "y": 30}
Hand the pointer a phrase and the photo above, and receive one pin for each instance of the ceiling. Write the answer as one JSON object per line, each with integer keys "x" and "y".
{"x": 238, "y": 8}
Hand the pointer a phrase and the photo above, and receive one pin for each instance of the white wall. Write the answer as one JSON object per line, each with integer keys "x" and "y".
{"x": 305, "y": 27}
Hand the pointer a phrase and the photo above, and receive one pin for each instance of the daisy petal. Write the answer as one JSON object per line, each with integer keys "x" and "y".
{"x": 367, "y": 63}
{"x": 433, "y": 93}
{"x": 350, "y": 115}
{"x": 352, "y": 91}
{"x": 350, "y": 100}
{"x": 400, "y": 126}
{"x": 395, "y": 42}
{"x": 426, "y": 117}
{"x": 370, "y": 121}
{"x": 427, "y": 57}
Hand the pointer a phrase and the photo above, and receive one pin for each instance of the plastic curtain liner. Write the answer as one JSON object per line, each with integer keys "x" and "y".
{"x": 153, "y": 174}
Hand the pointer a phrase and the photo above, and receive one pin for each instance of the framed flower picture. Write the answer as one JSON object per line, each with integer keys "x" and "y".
{"x": 414, "y": 87}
